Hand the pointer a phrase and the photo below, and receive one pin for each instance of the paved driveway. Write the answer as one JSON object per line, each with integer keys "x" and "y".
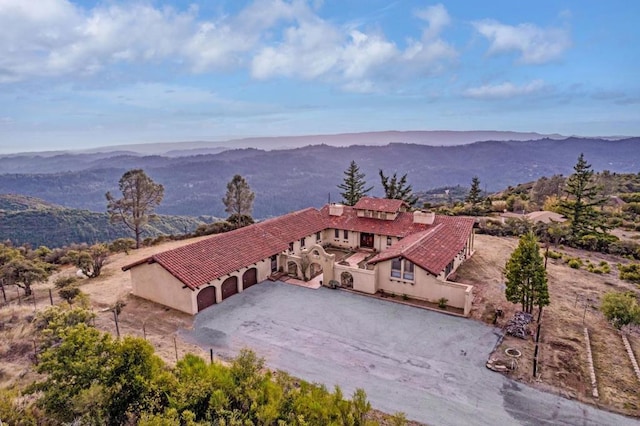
{"x": 428, "y": 365}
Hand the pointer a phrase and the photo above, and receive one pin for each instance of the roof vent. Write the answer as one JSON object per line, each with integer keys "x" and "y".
{"x": 423, "y": 217}
{"x": 336, "y": 209}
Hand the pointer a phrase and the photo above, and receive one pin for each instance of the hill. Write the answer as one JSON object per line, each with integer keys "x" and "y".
{"x": 291, "y": 179}
{"x": 36, "y": 222}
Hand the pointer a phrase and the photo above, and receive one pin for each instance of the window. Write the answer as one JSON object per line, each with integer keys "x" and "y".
{"x": 383, "y": 215}
{"x": 402, "y": 269}
{"x": 408, "y": 270}
{"x": 290, "y": 246}
{"x": 346, "y": 235}
{"x": 318, "y": 238}
{"x": 396, "y": 268}
{"x": 448, "y": 269}
{"x": 336, "y": 234}
{"x": 302, "y": 241}
{"x": 388, "y": 241}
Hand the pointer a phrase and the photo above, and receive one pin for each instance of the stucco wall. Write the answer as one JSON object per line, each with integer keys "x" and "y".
{"x": 363, "y": 280}
{"x": 153, "y": 282}
{"x": 424, "y": 287}
{"x": 263, "y": 268}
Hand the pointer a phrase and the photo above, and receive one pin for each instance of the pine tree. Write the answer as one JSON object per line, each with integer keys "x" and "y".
{"x": 140, "y": 196}
{"x": 526, "y": 277}
{"x": 353, "y": 185}
{"x": 583, "y": 195}
{"x": 474, "y": 197}
{"x": 397, "y": 189}
{"x": 239, "y": 201}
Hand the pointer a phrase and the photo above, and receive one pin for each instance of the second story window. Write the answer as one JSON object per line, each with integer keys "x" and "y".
{"x": 302, "y": 242}
{"x": 346, "y": 235}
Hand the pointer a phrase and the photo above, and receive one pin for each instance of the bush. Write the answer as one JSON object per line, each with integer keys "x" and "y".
{"x": 574, "y": 263}
{"x": 442, "y": 303}
{"x": 69, "y": 293}
{"x": 63, "y": 282}
{"x": 621, "y": 308}
{"x": 554, "y": 255}
{"x": 630, "y": 272}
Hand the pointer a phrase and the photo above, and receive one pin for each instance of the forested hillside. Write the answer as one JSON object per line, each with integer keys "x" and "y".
{"x": 286, "y": 180}
{"x": 52, "y": 226}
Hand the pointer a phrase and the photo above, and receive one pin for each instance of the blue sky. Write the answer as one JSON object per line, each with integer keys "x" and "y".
{"x": 76, "y": 74}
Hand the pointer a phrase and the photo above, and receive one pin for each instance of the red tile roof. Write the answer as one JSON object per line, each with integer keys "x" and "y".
{"x": 379, "y": 204}
{"x": 199, "y": 263}
{"x": 399, "y": 227}
{"x": 434, "y": 248}
{"x": 431, "y": 247}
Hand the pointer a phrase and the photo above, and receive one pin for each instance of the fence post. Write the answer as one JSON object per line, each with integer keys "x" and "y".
{"x": 19, "y": 299}
{"x": 4, "y": 295}
{"x": 115, "y": 317}
{"x": 50, "y": 297}
{"x": 175, "y": 346}
{"x": 211, "y": 355}
{"x": 144, "y": 330}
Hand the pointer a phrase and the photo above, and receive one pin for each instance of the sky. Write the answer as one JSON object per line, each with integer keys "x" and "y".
{"x": 81, "y": 74}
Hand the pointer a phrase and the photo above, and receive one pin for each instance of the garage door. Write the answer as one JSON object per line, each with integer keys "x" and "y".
{"x": 206, "y": 297}
{"x": 229, "y": 287}
{"x": 249, "y": 278}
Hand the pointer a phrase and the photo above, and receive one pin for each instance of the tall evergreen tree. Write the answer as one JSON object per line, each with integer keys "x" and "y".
{"x": 239, "y": 201}
{"x": 583, "y": 195}
{"x": 353, "y": 185}
{"x": 397, "y": 189}
{"x": 526, "y": 277}
{"x": 474, "y": 196}
{"x": 140, "y": 196}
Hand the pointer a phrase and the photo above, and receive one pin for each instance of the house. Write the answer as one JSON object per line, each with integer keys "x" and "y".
{"x": 401, "y": 252}
{"x": 543, "y": 216}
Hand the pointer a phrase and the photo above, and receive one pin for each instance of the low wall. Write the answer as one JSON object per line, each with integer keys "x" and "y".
{"x": 363, "y": 280}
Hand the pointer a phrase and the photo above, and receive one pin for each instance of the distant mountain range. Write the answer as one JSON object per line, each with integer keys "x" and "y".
{"x": 31, "y": 220}
{"x": 290, "y": 179}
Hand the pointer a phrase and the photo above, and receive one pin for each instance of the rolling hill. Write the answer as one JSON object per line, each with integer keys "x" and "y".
{"x": 290, "y": 179}
{"x": 36, "y": 222}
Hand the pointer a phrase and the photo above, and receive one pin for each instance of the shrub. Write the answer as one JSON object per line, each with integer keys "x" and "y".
{"x": 442, "y": 302}
{"x": 69, "y": 293}
{"x": 574, "y": 263}
{"x": 554, "y": 255}
{"x": 630, "y": 272}
{"x": 405, "y": 297}
{"x": 63, "y": 282}
{"x": 621, "y": 308}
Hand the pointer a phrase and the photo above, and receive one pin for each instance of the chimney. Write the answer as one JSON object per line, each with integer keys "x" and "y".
{"x": 426, "y": 218}
{"x": 336, "y": 209}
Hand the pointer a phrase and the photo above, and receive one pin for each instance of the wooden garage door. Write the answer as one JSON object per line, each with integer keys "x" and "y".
{"x": 249, "y": 278}
{"x": 206, "y": 297}
{"x": 229, "y": 287}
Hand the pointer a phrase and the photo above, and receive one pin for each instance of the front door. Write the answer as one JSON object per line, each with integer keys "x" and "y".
{"x": 274, "y": 263}
{"x": 366, "y": 240}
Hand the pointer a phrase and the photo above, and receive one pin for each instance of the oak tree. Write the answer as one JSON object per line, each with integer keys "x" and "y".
{"x": 140, "y": 196}
{"x": 353, "y": 185}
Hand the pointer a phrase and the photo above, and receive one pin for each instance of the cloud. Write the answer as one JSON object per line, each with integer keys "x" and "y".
{"x": 534, "y": 44}
{"x": 312, "y": 48}
{"x": 60, "y": 39}
{"x": 505, "y": 90}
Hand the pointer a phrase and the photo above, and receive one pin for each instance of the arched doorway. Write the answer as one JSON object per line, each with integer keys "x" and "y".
{"x": 249, "y": 278}
{"x": 346, "y": 280}
{"x": 206, "y": 297}
{"x": 315, "y": 269}
{"x": 229, "y": 287}
{"x": 292, "y": 268}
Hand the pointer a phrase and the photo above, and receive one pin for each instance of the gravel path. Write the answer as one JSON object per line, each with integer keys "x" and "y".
{"x": 428, "y": 365}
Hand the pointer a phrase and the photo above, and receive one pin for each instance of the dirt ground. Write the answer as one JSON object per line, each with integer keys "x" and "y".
{"x": 575, "y": 297}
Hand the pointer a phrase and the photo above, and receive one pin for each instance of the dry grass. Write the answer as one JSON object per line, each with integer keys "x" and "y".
{"x": 575, "y": 294}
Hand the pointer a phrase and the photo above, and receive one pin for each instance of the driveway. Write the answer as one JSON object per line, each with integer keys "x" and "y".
{"x": 428, "y": 365}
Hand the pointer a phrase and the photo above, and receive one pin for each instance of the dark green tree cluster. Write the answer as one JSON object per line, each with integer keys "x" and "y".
{"x": 397, "y": 188}
{"x": 526, "y": 277}
{"x": 92, "y": 378}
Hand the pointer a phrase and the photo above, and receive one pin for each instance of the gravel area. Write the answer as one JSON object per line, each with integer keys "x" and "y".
{"x": 428, "y": 365}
